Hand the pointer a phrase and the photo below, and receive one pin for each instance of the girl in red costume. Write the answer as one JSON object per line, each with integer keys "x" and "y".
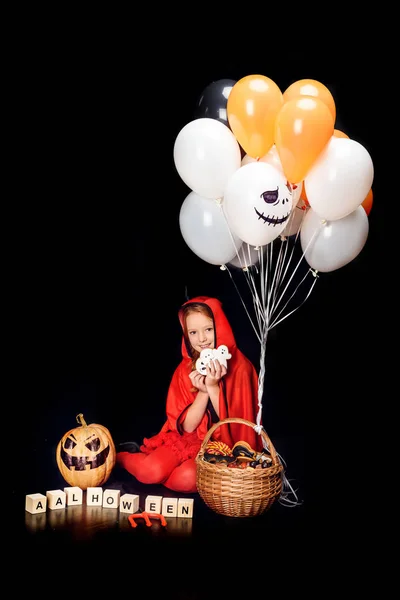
{"x": 195, "y": 402}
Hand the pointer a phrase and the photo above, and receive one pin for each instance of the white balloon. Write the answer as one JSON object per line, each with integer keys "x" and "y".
{"x": 205, "y": 230}
{"x": 206, "y": 154}
{"x": 332, "y": 244}
{"x": 257, "y": 203}
{"x": 272, "y": 158}
{"x": 340, "y": 179}
{"x": 247, "y": 256}
{"x": 247, "y": 159}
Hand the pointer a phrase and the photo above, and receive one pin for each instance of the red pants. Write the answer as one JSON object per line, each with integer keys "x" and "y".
{"x": 161, "y": 466}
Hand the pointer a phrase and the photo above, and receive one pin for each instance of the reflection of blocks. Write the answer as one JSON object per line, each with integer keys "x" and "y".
{"x": 35, "y": 503}
{"x": 153, "y": 504}
{"x": 94, "y": 496}
{"x": 185, "y": 507}
{"x": 56, "y": 499}
{"x": 169, "y": 507}
{"x": 111, "y": 498}
{"x": 74, "y": 495}
{"x": 129, "y": 503}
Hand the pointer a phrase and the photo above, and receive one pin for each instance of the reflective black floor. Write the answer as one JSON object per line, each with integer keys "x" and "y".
{"x": 180, "y": 556}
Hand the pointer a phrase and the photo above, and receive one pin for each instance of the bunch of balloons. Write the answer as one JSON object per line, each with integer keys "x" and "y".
{"x": 262, "y": 164}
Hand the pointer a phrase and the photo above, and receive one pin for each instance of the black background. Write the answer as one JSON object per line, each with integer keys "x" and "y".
{"x": 103, "y": 269}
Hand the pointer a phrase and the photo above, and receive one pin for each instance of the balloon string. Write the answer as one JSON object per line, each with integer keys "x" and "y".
{"x": 275, "y": 322}
{"x": 293, "y": 247}
{"x": 249, "y": 277}
{"x": 275, "y": 306}
{"x": 287, "y": 488}
{"x": 244, "y": 305}
{"x": 261, "y": 377}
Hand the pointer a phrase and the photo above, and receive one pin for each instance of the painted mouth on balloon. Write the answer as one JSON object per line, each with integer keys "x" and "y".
{"x": 272, "y": 220}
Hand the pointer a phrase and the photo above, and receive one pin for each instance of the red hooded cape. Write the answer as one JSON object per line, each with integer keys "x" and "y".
{"x": 237, "y": 398}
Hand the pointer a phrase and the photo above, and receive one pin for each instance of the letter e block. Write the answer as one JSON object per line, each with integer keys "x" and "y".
{"x": 111, "y": 498}
{"x": 35, "y": 503}
{"x": 185, "y": 507}
{"x": 74, "y": 495}
{"x": 129, "y": 503}
{"x": 153, "y": 504}
{"x": 94, "y": 496}
{"x": 170, "y": 507}
{"x": 56, "y": 499}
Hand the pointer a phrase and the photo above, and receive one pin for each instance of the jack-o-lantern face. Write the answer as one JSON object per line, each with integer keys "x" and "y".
{"x": 86, "y": 455}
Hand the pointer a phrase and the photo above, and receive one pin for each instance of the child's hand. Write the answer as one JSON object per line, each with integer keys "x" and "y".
{"x": 198, "y": 381}
{"x": 215, "y": 372}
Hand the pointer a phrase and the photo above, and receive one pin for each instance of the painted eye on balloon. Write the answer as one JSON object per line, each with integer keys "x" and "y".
{"x": 270, "y": 197}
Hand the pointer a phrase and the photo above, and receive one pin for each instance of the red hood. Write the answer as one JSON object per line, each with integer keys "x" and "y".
{"x": 238, "y": 389}
{"x": 223, "y": 330}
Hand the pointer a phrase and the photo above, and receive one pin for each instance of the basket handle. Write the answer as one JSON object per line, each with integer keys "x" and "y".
{"x": 270, "y": 445}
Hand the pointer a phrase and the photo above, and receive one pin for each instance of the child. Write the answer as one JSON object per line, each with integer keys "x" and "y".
{"x": 195, "y": 402}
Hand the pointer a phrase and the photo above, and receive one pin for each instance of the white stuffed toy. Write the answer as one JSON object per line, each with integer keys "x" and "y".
{"x": 221, "y": 353}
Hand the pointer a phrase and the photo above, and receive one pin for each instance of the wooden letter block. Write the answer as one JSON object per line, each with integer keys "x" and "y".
{"x": 94, "y": 496}
{"x": 111, "y": 498}
{"x": 153, "y": 504}
{"x": 74, "y": 495}
{"x": 35, "y": 503}
{"x": 185, "y": 507}
{"x": 129, "y": 503}
{"x": 170, "y": 507}
{"x": 56, "y": 499}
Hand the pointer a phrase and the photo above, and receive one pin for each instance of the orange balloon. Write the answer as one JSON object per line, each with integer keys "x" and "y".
{"x": 303, "y": 128}
{"x": 368, "y": 201}
{"x": 311, "y": 87}
{"x": 253, "y": 105}
{"x": 339, "y": 134}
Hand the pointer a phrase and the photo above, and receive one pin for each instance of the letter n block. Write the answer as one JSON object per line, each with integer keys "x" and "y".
{"x": 185, "y": 507}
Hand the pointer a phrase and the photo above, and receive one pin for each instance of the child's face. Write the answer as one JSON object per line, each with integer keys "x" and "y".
{"x": 200, "y": 331}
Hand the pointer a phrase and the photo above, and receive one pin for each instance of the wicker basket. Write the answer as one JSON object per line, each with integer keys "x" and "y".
{"x": 238, "y": 492}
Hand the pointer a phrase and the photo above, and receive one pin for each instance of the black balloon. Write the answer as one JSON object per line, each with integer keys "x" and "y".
{"x": 213, "y": 100}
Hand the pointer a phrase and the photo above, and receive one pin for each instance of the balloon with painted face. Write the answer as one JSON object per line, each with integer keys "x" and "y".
{"x": 257, "y": 203}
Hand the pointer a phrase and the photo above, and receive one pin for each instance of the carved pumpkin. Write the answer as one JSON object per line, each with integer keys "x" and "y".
{"x": 86, "y": 455}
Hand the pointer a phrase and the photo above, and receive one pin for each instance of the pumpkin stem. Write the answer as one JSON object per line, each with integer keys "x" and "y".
{"x": 81, "y": 420}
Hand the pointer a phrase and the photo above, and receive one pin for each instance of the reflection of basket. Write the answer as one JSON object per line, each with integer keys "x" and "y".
{"x": 238, "y": 492}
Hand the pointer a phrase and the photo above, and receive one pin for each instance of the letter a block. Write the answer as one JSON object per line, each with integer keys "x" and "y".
{"x": 35, "y": 503}
{"x": 56, "y": 499}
